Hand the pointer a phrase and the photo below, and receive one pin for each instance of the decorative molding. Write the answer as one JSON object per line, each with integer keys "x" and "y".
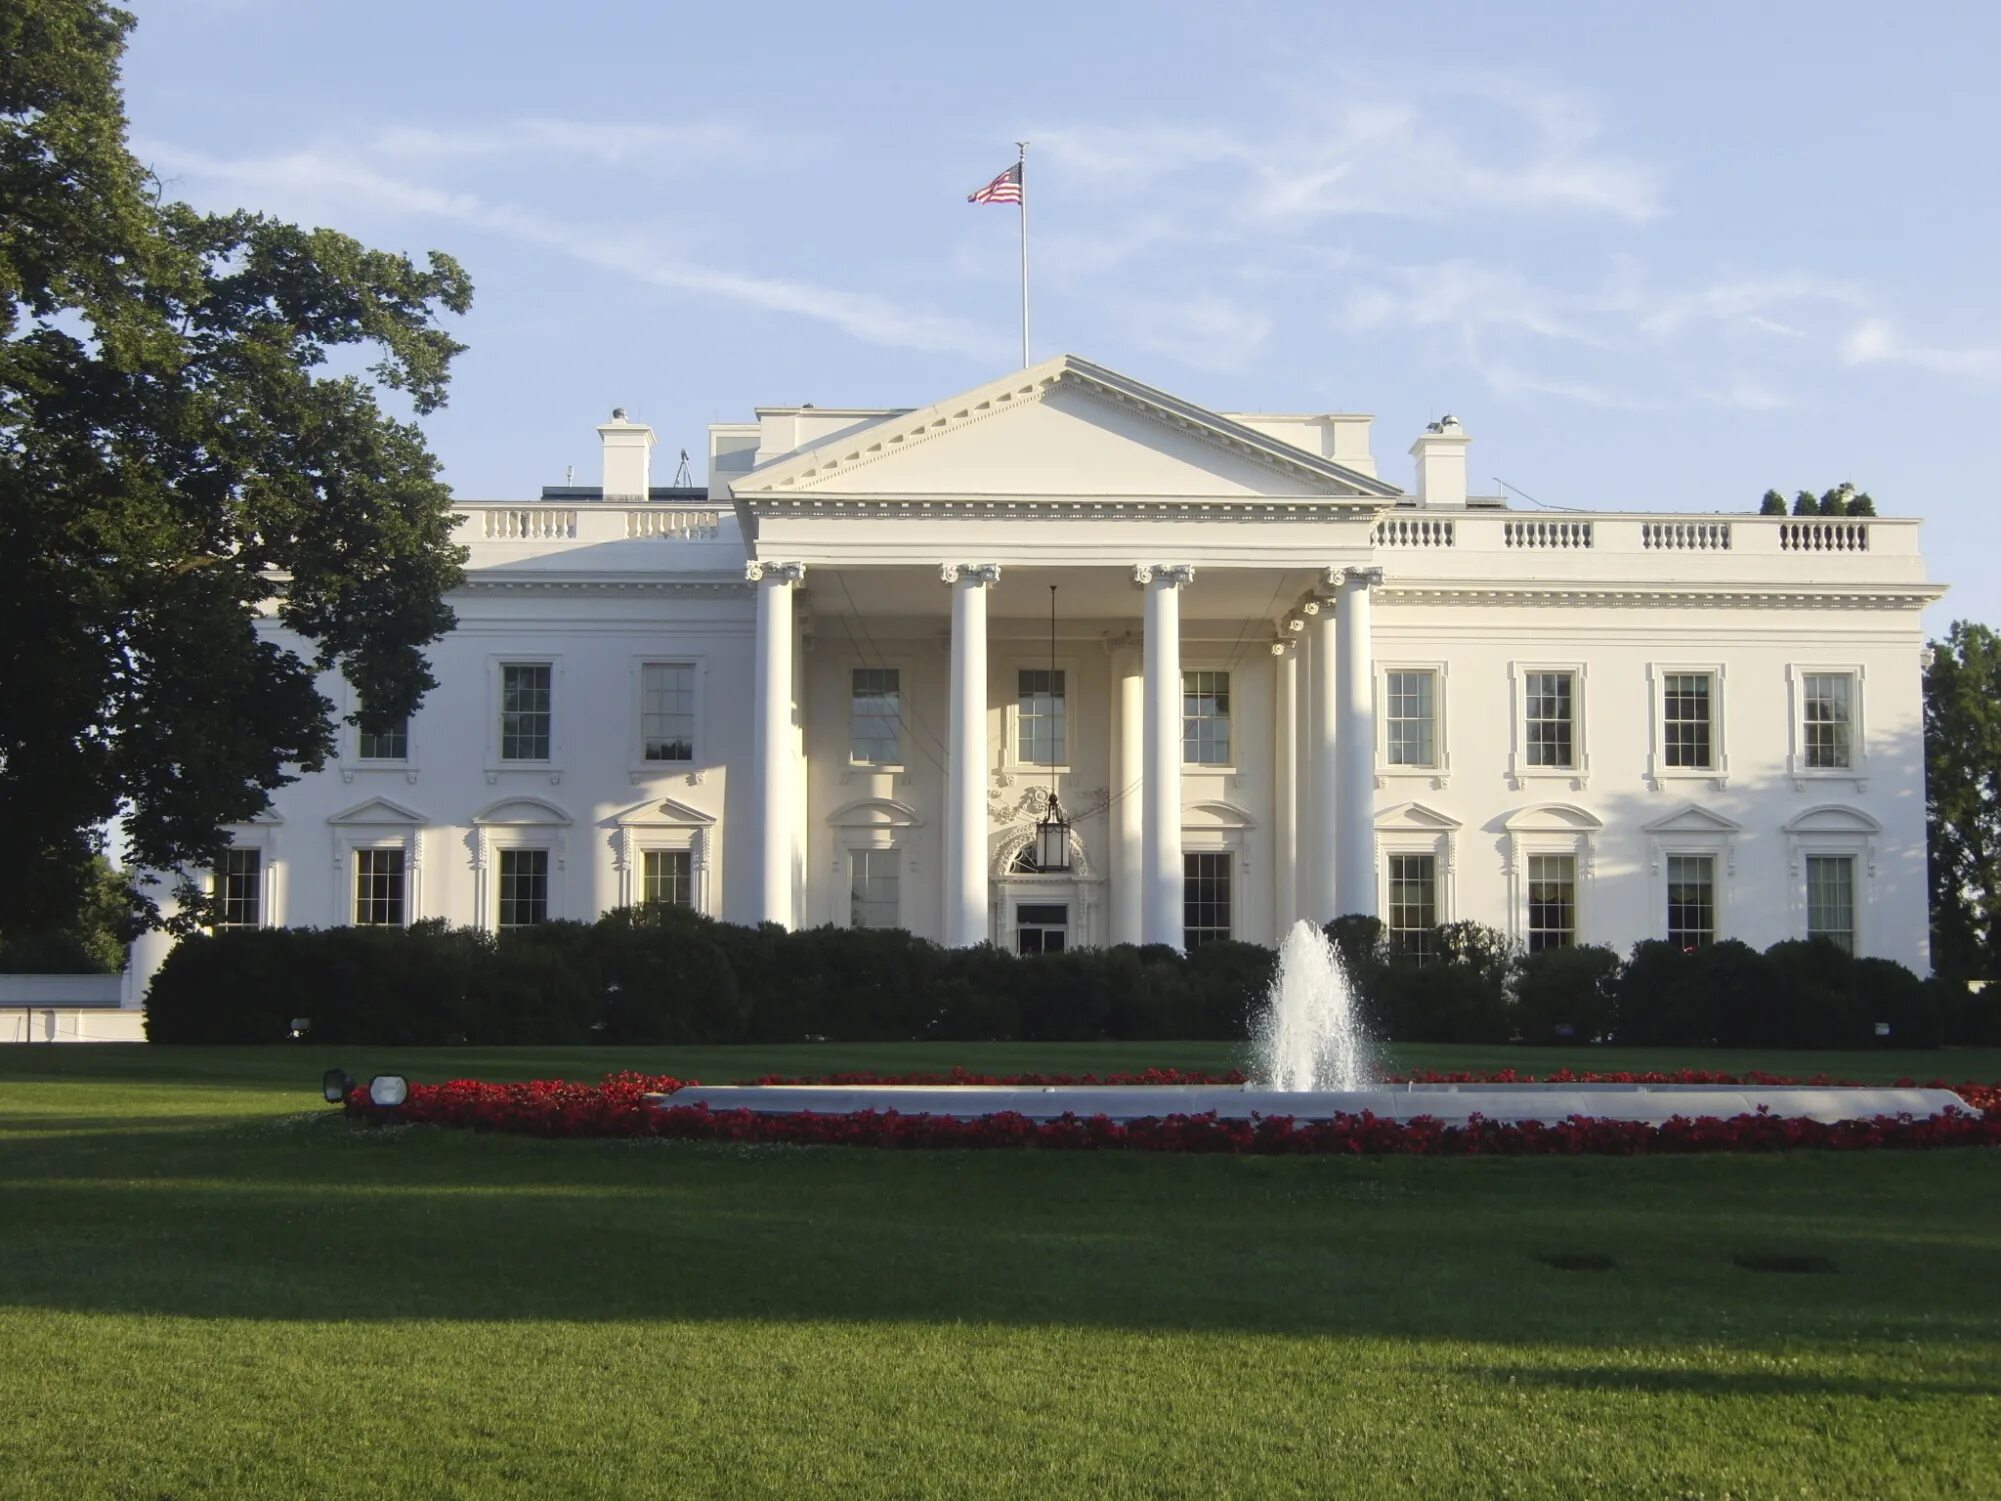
{"x": 1362, "y": 578}
{"x": 756, "y": 570}
{"x": 710, "y": 587}
{"x": 1473, "y": 593}
{"x": 1174, "y": 575}
{"x": 978, "y": 573}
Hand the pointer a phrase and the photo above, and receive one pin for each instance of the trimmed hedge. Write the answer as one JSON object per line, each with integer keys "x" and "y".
{"x": 669, "y": 976}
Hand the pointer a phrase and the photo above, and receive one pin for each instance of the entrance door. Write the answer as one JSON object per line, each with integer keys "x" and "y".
{"x": 1041, "y": 927}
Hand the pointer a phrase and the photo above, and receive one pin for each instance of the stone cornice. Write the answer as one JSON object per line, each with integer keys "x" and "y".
{"x": 714, "y": 587}
{"x": 1476, "y": 592}
{"x": 1360, "y": 510}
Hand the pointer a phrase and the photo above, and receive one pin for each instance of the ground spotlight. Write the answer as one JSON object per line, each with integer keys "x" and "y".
{"x": 336, "y": 1085}
{"x": 388, "y": 1090}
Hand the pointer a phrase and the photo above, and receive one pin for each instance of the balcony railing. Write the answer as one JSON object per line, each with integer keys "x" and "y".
{"x": 1478, "y": 531}
{"x": 489, "y": 521}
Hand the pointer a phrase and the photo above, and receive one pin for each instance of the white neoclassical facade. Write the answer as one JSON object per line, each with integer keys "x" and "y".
{"x": 823, "y": 689}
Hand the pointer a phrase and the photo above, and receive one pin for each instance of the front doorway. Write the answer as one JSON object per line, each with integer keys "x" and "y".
{"x": 1041, "y": 927}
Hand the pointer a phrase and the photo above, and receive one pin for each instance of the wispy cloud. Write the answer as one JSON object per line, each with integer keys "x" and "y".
{"x": 317, "y": 177}
{"x": 667, "y": 147}
{"x": 1875, "y": 341}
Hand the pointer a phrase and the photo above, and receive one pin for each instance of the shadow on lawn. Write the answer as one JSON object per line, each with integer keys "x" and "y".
{"x": 1708, "y": 1381}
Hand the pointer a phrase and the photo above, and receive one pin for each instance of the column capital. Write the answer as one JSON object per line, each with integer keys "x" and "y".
{"x": 1174, "y": 575}
{"x": 1282, "y": 647}
{"x": 758, "y": 569}
{"x": 1362, "y": 578}
{"x": 978, "y": 573}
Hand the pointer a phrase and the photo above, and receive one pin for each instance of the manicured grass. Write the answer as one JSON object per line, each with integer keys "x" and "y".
{"x": 211, "y": 1286}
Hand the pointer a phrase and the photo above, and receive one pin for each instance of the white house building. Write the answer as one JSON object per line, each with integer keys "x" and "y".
{"x": 823, "y": 690}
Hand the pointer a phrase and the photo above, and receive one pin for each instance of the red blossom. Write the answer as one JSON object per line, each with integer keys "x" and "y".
{"x": 620, "y": 1107}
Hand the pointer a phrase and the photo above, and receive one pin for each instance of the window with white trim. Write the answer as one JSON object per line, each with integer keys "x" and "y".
{"x": 875, "y": 716}
{"x": 874, "y": 894}
{"x": 1205, "y": 718}
{"x": 1552, "y": 902}
{"x": 1827, "y": 721}
{"x": 381, "y": 880}
{"x": 1412, "y": 909}
{"x": 1041, "y": 927}
{"x": 1206, "y": 897}
{"x": 1688, "y": 720}
{"x": 527, "y": 710}
{"x": 1039, "y": 716}
{"x": 380, "y": 737}
{"x": 524, "y": 888}
{"x": 239, "y": 888}
{"x": 1830, "y": 899}
{"x": 1691, "y": 900}
{"x": 666, "y": 712}
{"x": 1549, "y": 720}
{"x": 667, "y": 878}
{"x": 1410, "y": 705}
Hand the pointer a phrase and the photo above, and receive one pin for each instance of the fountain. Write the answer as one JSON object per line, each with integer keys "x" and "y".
{"x": 1312, "y": 1061}
{"x": 1309, "y": 1037}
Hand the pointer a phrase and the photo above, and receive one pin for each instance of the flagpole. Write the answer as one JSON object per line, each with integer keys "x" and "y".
{"x": 1021, "y": 167}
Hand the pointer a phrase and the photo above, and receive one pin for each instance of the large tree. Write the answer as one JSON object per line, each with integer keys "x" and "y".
{"x": 177, "y": 457}
{"x": 1963, "y": 799}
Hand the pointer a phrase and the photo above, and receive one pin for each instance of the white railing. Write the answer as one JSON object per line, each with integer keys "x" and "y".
{"x": 1413, "y": 531}
{"x": 678, "y": 523}
{"x": 1829, "y": 535}
{"x": 1685, "y": 536}
{"x": 528, "y": 524}
{"x": 1543, "y": 533}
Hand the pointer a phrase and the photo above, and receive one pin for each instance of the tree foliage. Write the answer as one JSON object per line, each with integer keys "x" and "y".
{"x": 1963, "y": 799}
{"x": 188, "y": 439}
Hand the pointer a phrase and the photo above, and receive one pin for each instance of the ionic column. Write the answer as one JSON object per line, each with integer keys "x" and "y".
{"x": 1162, "y": 879}
{"x": 1285, "y": 785}
{"x": 775, "y": 585}
{"x": 966, "y": 920}
{"x": 1323, "y": 897}
{"x": 1128, "y": 792}
{"x": 1356, "y": 883}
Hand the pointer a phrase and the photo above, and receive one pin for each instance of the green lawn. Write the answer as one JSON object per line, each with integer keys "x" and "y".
{"x": 211, "y": 1286}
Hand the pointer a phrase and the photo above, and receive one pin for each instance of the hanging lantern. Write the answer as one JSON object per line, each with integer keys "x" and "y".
{"x": 1052, "y": 840}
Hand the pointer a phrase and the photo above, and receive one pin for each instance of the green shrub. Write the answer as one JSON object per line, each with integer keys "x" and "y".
{"x": 1567, "y": 995}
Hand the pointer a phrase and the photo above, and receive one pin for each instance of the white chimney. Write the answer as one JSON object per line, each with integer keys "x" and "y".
{"x": 1440, "y": 452}
{"x": 628, "y": 457}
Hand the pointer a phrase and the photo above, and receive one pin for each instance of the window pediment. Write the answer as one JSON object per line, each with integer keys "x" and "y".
{"x": 379, "y": 811}
{"x": 1219, "y": 816}
{"x": 1833, "y": 818}
{"x": 1416, "y": 816}
{"x": 1552, "y": 818}
{"x": 663, "y": 811}
{"x": 1693, "y": 818}
{"x": 874, "y": 813}
{"x": 519, "y": 811}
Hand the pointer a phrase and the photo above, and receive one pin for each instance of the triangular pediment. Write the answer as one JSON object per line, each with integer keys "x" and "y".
{"x": 1416, "y": 816}
{"x": 874, "y": 813}
{"x": 1694, "y": 819}
{"x": 1063, "y": 428}
{"x": 377, "y": 810}
{"x": 664, "y": 812}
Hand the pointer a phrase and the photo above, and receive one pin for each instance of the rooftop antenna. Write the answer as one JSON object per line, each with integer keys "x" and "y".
{"x": 684, "y": 475}
{"x": 569, "y": 474}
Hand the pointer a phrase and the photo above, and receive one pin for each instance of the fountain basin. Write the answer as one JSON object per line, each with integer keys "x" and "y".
{"x": 1451, "y": 1103}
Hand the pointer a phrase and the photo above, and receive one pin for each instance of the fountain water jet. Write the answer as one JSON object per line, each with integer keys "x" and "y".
{"x": 1309, "y": 1037}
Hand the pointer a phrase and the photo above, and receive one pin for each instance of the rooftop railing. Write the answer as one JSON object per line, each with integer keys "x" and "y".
{"x": 1476, "y": 531}
{"x": 500, "y": 521}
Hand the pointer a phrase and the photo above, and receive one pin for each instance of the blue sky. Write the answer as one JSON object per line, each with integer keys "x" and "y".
{"x": 1653, "y": 257}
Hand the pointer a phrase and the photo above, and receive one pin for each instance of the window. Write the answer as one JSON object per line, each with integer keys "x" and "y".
{"x": 1205, "y": 915}
{"x": 667, "y": 878}
{"x": 875, "y": 717}
{"x": 1412, "y": 718}
{"x": 524, "y": 888}
{"x": 1549, "y": 717}
{"x": 666, "y": 712}
{"x": 1830, "y": 899}
{"x": 1041, "y": 927}
{"x": 1205, "y": 718}
{"x": 873, "y": 897}
{"x": 1827, "y": 703}
{"x": 239, "y": 886}
{"x": 525, "y": 702}
{"x": 1413, "y": 904}
{"x": 378, "y": 888}
{"x": 379, "y": 738}
{"x": 1688, "y": 720}
{"x": 1039, "y": 722}
{"x": 1552, "y": 902}
{"x": 1691, "y": 900}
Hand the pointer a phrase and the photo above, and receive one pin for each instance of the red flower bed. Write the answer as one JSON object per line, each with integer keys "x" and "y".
{"x": 619, "y": 1107}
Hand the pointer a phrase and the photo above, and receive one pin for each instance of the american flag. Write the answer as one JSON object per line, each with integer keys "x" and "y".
{"x": 1005, "y": 188}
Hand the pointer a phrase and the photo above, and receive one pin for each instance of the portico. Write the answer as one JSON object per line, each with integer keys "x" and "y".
{"x": 939, "y": 533}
